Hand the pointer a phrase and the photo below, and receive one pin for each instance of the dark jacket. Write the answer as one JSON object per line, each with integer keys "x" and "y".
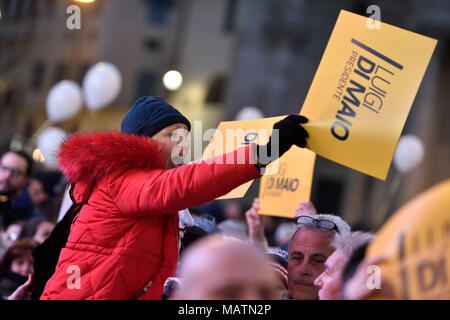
{"x": 10, "y": 282}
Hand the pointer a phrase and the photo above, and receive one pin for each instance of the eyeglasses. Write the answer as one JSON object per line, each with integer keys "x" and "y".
{"x": 15, "y": 172}
{"x": 321, "y": 223}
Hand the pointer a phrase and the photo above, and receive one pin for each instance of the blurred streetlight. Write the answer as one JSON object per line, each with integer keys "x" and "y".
{"x": 172, "y": 80}
{"x": 38, "y": 156}
{"x": 84, "y": 1}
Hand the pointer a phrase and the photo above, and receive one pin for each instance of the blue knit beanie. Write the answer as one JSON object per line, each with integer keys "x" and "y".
{"x": 150, "y": 115}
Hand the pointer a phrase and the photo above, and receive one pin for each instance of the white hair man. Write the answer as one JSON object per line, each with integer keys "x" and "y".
{"x": 330, "y": 281}
{"x": 309, "y": 248}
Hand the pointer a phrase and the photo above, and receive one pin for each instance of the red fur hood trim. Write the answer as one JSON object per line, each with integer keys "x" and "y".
{"x": 88, "y": 157}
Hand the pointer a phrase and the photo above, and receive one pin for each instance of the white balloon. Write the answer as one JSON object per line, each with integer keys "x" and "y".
{"x": 409, "y": 153}
{"x": 64, "y": 101}
{"x": 101, "y": 85}
{"x": 249, "y": 113}
{"x": 49, "y": 142}
{"x": 172, "y": 80}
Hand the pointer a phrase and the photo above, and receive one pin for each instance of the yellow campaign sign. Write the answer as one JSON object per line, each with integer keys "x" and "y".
{"x": 281, "y": 193}
{"x": 362, "y": 92}
{"x": 231, "y": 135}
{"x": 416, "y": 243}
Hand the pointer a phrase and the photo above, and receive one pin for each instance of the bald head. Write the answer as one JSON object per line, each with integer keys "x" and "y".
{"x": 219, "y": 269}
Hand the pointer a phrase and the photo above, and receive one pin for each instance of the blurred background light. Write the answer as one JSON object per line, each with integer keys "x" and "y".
{"x": 38, "y": 156}
{"x": 172, "y": 80}
{"x": 249, "y": 113}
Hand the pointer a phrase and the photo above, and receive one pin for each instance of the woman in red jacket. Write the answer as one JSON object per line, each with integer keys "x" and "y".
{"x": 123, "y": 244}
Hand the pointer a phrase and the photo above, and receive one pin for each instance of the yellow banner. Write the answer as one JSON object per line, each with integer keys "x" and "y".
{"x": 231, "y": 135}
{"x": 280, "y": 194}
{"x": 416, "y": 243}
{"x": 362, "y": 92}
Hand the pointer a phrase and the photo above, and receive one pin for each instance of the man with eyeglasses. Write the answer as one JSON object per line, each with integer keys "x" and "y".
{"x": 15, "y": 203}
{"x": 309, "y": 248}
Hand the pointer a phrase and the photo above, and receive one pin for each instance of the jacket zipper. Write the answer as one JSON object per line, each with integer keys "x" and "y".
{"x": 142, "y": 291}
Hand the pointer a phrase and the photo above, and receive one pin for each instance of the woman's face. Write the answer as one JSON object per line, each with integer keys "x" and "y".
{"x": 43, "y": 231}
{"x": 174, "y": 143}
{"x": 23, "y": 265}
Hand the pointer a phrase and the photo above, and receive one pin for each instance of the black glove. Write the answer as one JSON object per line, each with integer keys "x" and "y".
{"x": 290, "y": 132}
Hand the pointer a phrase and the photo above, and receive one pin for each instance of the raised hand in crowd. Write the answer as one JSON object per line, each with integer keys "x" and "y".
{"x": 255, "y": 225}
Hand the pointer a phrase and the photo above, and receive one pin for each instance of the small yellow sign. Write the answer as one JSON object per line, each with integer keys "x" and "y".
{"x": 231, "y": 135}
{"x": 286, "y": 182}
{"x": 281, "y": 193}
{"x": 416, "y": 243}
{"x": 362, "y": 92}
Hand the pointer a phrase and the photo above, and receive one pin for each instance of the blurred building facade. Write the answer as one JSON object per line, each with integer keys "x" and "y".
{"x": 143, "y": 38}
{"x": 280, "y": 47}
{"x": 232, "y": 54}
{"x": 138, "y": 38}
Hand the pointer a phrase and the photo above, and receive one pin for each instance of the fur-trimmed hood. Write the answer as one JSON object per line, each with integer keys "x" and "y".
{"x": 86, "y": 157}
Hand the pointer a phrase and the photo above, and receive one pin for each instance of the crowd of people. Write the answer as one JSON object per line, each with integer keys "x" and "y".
{"x": 29, "y": 203}
{"x": 310, "y": 265}
{"x": 128, "y": 234}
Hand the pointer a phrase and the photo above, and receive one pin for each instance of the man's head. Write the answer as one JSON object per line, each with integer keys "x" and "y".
{"x": 309, "y": 248}
{"x": 15, "y": 169}
{"x": 330, "y": 281}
{"x": 153, "y": 117}
{"x": 218, "y": 269}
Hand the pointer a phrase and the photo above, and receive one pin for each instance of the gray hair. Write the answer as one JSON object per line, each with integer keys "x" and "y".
{"x": 342, "y": 226}
{"x": 349, "y": 243}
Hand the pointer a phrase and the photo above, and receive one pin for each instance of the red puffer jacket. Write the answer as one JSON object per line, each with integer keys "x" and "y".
{"x": 126, "y": 235}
